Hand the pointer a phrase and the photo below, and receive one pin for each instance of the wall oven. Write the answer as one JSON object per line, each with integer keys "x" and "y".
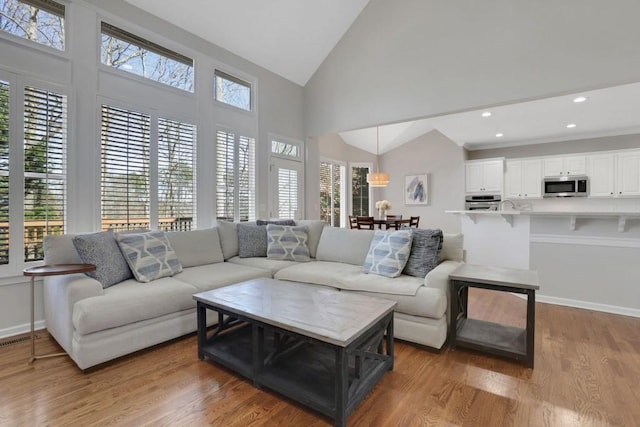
{"x": 485, "y": 202}
{"x": 566, "y": 186}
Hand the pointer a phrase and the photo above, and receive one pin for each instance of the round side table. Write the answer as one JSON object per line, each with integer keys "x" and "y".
{"x": 49, "y": 270}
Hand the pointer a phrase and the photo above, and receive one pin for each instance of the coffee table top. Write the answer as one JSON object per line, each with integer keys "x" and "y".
{"x": 325, "y": 314}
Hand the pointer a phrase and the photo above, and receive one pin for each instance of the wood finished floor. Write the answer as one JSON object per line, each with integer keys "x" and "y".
{"x": 587, "y": 373}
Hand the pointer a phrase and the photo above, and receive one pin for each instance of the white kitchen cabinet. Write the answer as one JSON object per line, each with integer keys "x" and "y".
{"x": 564, "y": 166}
{"x": 523, "y": 179}
{"x": 602, "y": 179}
{"x": 484, "y": 176}
{"x": 628, "y": 174}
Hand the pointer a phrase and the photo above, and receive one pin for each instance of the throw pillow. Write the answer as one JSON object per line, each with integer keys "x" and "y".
{"x": 252, "y": 241}
{"x": 149, "y": 255}
{"x": 276, "y": 221}
{"x": 388, "y": 253}
{"x": 102, "y": 250}
{"x": 287, "y": 242}
{"x": 425, "y": 249}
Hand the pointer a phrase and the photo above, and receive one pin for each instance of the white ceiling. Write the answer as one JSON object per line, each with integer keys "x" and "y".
{"x": 288, "y": 37}
{"x": 606, "y": 112}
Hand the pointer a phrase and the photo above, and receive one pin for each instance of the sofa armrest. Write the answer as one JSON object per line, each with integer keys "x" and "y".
{"x": 439, "y": 276}
{"x": 60, "y": 294}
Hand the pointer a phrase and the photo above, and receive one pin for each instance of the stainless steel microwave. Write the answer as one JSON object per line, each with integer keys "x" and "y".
{"x": 566, "y": 186}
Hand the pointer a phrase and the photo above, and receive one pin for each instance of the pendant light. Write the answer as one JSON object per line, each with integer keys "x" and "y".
{"x": 377, "y": 178}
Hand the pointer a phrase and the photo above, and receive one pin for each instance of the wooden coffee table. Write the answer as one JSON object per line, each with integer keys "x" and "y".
{"x": 321, "y": 347}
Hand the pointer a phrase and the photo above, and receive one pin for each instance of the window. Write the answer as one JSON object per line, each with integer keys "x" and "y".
{"x": 127, "y": 180}
{"x": 125, "y": 169}
{"x": 285, "y": 149}
{"x": 235, "y": 177}
{"x": 332, "y": 193}
{"x": 360, "y": 191}
{"x": 43, "y": 181}
{"x": 232, "y": 90}
{"x": 133, "y": 54}
{"x": 286, "y": 180}
{"x": 41, "y": 21}
{"x": 176, "y": 195}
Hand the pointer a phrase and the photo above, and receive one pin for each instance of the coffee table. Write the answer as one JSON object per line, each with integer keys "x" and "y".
{"x": 321, "y": 347}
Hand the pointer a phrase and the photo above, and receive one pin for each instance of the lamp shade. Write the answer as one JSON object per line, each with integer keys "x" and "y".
{"x": 378, "y": 179}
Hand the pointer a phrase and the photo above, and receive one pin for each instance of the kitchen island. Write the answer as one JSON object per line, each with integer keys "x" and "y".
{"x": 586, "y": 259}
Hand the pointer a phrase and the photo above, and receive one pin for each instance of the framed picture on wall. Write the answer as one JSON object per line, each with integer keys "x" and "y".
{"x": 416, "y": 189}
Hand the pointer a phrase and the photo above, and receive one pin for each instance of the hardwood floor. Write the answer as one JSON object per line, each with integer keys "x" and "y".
{"x": 587, "y": 373}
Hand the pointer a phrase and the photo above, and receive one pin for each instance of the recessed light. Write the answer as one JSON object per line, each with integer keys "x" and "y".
{"x": 499, "y": 135}
{"x": 571, "y": 125}
{"x": 579, "y": 99}
{"x": 486, "y": 114}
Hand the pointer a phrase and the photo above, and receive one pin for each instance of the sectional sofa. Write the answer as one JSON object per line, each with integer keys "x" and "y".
{"x": 95, "y": 324}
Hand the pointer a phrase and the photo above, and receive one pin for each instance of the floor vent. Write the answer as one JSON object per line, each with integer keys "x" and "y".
{"x": 9, "y": 342}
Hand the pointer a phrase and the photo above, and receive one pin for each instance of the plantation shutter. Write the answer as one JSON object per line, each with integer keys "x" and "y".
{"x": 45, "y": 138}
{"x": 325, "y": 192}
{"x": 125, "y": 169}
{"x": 225, "y": 175}
{"x": 176, "y": 172}
{"x": 287, "y": 193}
{"x": 4, "y": 172}
{"x": 246, "y": 178}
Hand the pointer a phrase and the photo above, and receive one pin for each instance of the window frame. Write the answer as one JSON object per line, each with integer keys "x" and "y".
{"x": 240, "y": 75}
{"x": 273, "y": 181}
{"x": 352, "y": 165}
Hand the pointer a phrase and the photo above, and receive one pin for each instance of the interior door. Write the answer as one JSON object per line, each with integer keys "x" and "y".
{"x": 286, "y": 189}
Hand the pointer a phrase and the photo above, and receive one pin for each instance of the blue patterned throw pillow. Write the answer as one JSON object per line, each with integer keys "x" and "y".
{"x": 101, "y": 250}
{"x": 287, "y": 243}
{"x": 149, "y": 255}
{"x": 388, "y": 253}
{"x": 425, "y": 250}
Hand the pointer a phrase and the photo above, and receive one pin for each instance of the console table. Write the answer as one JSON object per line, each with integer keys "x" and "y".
{"x": 489, "y": 337}
{"x": 49, "y": 270}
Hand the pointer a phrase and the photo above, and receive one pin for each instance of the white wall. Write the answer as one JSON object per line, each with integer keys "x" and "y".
{"x": 78, "y": 73}
{"x": 409, "y": 59}
{"x": 443, "y": 161}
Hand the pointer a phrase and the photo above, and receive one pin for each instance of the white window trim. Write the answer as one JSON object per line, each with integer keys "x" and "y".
{"x": 253, "y": 81}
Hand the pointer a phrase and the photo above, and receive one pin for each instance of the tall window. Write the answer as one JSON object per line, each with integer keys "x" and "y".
{"x": 360, "y": 201}
{"x": 232, "y": 90}
{"x": 127, "y": 182}
{"x": 235, "y": 177}
{"x": 128, "y": 52}
{"x": 332, "y": 193}
{"x": 286, "y": 169}
{"x": 43, "y": 182}
{"x": 41, "y": 21}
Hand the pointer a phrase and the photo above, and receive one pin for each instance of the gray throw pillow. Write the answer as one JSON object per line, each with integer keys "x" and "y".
{"x": 102, "y": 250}
{"x": 425, "y": 251}
{"x": 252, "y": 241}
{"x": 388, "y": 253}
{"x": 276, "y": 222}
{"x": 287, "y": 243}
{"x": 149, "y": 255}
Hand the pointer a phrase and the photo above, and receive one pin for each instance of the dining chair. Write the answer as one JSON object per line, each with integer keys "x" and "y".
{"x": 395, "y": 225}
{"x": 413, "y": 221}
{"x": 353, "y": 221}
{"x": 365, "y": 222}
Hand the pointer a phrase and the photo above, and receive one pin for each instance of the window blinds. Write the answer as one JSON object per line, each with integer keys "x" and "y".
{"x": 235, "y": 177}
{"x": 287, "y": 193}
{"x": 4, "y": 172}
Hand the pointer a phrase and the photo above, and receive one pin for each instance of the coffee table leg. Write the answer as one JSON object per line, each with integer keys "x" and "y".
{"x": 258, "y": 354}
{"x": 390, "y": 341}
{"x": 202, "y": 329}
{"x": 341, "y": 386}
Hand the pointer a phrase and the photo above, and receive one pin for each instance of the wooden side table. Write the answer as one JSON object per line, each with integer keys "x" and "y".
{"x": 492, "y": 338}
{"x": 49, "y": 270}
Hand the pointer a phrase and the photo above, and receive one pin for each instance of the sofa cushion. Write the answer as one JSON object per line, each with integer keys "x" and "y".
{"x": 59, "y": 249}
{"x": 102, "y": 250}
{"x": 271, "y": 265}
{"x": 196, "y": 247}
{"x": 344, "y": 245}
{"x": 427, "y": 302}
{"x": 150, "y": 255}
{"x": 452, "y": 247}
{"x": 212, "y": 276}
{"x": 388, "y": 253}
{"x": 252, "y": 240}
{"x": 287, "y": 243}
{"x": 425, "y": 250}
{"x": 228, "y": 232}
{"x": 131, "y": 301}
{"x": 315, "y": 227}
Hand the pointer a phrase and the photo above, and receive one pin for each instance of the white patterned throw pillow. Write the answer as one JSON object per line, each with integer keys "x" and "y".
{"x": 149, "y": 255}
{"x": 286, "y": 242}
{"x": 388, "y": 253}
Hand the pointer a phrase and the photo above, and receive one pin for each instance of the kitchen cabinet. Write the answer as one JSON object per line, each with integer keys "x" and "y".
{"x": 484, "y": 176}
{"x": 563, "y": 166}
{"x": 523, "y": 179}
{"x": 602, "y": 179}
{"x": 628, "y": 174}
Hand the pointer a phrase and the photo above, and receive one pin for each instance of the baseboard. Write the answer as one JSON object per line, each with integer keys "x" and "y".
{"x": 21, "y": 329}
{"x": 613, "y": 309}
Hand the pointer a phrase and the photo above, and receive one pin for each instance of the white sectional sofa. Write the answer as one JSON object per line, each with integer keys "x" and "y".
{"x": 95, "y": 325}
